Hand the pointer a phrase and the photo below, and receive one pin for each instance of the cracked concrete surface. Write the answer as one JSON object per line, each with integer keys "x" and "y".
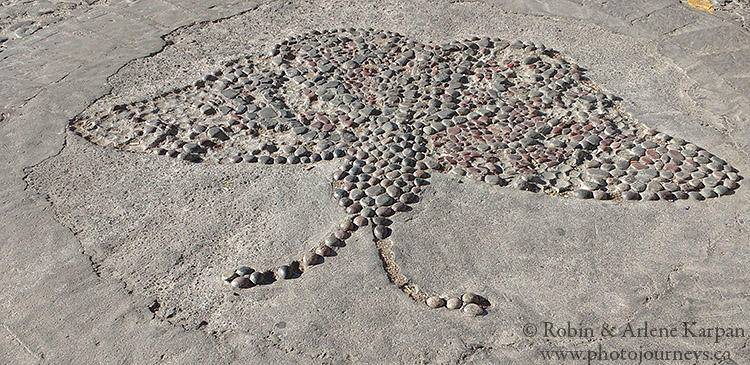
{"x": 538, "y": 258}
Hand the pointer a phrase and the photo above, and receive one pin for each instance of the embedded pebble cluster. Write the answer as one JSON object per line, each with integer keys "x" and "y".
{"x": 395, "y": 111}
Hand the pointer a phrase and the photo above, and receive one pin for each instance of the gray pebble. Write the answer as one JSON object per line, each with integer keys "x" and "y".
{"x": 367, "y": 212}
{"x": 384, "y": 200}
{"x": 630, "y": 195}
{"x": 654, "y": 187}
{"x": 374, "y": 191}
{"x": 583, "y": 194}
{"x": 721, "y": 190}
{"x": 310, "y": 258}
{"x": 229, "y": 275}
{"x": 266, "y": 160}
{"x": 267, "y": 113}
{"x": 492, "y": 179}
{"x": 708, "y": 193}
{"x": 347, "y": 225}
{"x": 666, "y": 195}
{"x": 454, "y": 303}
{"x": 332, "y": 241}
{"x": 470, "y": 298}
{"x": 435, "y": 302}
{"x": 473, "y": 309}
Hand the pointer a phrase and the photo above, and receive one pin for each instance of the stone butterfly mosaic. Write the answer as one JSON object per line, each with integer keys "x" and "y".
{"x": 394, "y": 112}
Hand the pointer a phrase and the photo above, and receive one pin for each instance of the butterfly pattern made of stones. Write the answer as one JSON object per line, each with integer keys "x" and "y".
{"x": 396, "y": 111}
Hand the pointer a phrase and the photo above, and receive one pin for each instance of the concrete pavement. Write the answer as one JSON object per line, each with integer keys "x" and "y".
{"x": 93, "y": 237}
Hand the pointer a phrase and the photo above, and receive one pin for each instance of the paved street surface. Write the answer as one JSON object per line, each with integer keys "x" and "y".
{"x": 334, "y": 182}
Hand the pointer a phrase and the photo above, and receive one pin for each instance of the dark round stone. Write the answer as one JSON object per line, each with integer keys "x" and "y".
{"x": 354, "y": 208}
{"x": 244, "y": 270}
{"x": 381, "y": 231}
{"x": 257, "y": 278}
{"x": 284, "y": 272}
{"x": 384, "y": 200}
{"x": 241, "y": 282}
{"x": 407, "y": 198}
{"x": 266, "y": 160}
{"x": 400, "y": 207}
{"x": 384, "y": 211}
{"x": 360, "y": 221}
{"x": 341, "y": 234}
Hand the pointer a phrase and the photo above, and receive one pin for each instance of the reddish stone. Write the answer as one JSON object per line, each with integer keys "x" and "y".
{"x": 676, "y": 156}
{"x": 341, "y": 234}
{"x": 323, "y": 250}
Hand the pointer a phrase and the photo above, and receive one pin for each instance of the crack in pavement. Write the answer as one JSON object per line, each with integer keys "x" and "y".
{"x": 39, "y": 356}
{"x": 28, "y": 189}
{"x": 46, "y": 88}
{"x": 163, "y": 47}
{"x": 648, "y": 15}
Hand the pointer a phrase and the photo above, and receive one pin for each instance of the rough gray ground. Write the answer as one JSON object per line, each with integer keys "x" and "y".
{"x": 92, "y": 237}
